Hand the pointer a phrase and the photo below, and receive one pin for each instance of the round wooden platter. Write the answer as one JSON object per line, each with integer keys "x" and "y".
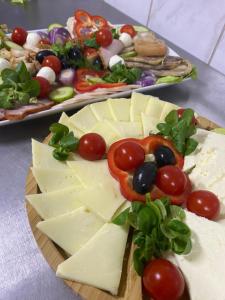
{"x": 130, "y": 285}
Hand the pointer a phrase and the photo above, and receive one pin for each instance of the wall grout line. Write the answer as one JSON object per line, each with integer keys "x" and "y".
{"x": 216, "y": 45}
{"x": 149, "y": 13}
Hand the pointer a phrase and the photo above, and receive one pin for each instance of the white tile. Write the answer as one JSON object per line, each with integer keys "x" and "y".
{"x": 193, "y": 25}
{"x": 218, "y": 59}
{"x": 138, "y": 10}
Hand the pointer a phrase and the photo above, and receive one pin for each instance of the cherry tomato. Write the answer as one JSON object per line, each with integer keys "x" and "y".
{"x": 129, "y": 156}
{"x": 104, "y": 37}
{"x": 90, "y": 53}
{"x": 45, "y": 86}
{"x": 44, "y": 42}
{"x": 52, "y": 62}
{"x": 19, "y": 36}
{"x": 204, "y": 204}
{"x": 128, "y": 29}
{"x": 171, "y": 180}
{"x": 163, "y": 280}
{"x": 92, "y": 146}
{"x": 180, "y": 112}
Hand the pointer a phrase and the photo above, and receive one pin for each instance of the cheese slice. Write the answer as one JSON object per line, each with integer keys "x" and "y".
{"x": 103, "y": 199}
{"x": 128, "y": 129}
{"x": 99, "y": 262}
{"x": 101, "y": 111}
{"x": 50, "y": 180}
{"x": 149, "y": 124}
{"x": 154, "y": 107}
{"x": 72, "y": 230}
{"x": 84, "y": 119}
{"x": 204, "y": 267}
{"x": 65, "y": 120}
{"x": 138, "y": 105}
{"x": 120, "y": 109}
{"x": 53, "y": 204}
{"x": 167, "y": 108}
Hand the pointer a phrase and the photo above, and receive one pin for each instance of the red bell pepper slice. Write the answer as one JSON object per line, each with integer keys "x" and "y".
{"x": 149, "y": 144}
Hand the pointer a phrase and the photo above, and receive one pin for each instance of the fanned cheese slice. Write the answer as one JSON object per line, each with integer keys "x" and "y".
{"x": 138, "y": 105}
{"x": 42, "y": 157}
{"x": 99, "y": 262}
{"x": 72, "y": 230}
{"x": 154, "y": 107}
{"x": 166, "y": 109}
{"x": 149, "y": 124}
{"x": 90, "y": 172}
{"x": 120, "y": 109}
{"x": 128, "y": 129}
{"x": 84, "y": 119}
{"x": 53, "y": 204}
{"x": 101, "y": 111}
{"x": 50, "y": 180}
{"x": 65, "y": 120}
{"x": 103, "y": 199}
{"x": 204, "y": 267}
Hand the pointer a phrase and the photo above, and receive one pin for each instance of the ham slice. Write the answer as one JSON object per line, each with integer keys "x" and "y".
{"x": 2, "y": 114}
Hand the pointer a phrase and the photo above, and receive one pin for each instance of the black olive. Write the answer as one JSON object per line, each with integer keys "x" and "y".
{"x": 97, "y": 63}
{"x": 65, "y": 64}
{"x": 75, "y": 53}
{"x": 144, "y": 177}
{"x": 164, "y": 156}
{"x": 42, "y": 54}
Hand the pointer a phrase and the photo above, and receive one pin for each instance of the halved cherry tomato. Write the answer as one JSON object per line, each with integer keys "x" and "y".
{"x": 204, "y": 204}
{"x": 128, "y": 29}
{"x": 52, "y": 62}
{"x": 19, "y": 36}
{"x": 129, "y": 156}
{"x": 171, "y": 180}
{"x": 83, "y": 17}
{"x": 163, "y": 280}
{"x": 104, "y": 37}
{"x": 180, "y": 112}
{"x": 92, "y": 146}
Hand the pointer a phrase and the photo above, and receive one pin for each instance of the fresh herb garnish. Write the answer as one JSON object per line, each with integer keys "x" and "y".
{"x": 63, "y": 141}
{"x": 120, "y": 73}
{"x": 176, "y": 79}
{"x": 180, "y": 130}
{"x": 91, "y": 42}
{"x": 158, "y": 227}
{"x": 115, "y": 33}
{"x": 17, "y": 88}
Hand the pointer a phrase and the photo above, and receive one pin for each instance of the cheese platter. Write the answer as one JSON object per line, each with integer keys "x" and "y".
{"x": 95, "y": 196}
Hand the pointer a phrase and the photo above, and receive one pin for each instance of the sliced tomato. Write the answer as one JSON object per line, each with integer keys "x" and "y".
{"x": 83, "y": 17}
{"x": 99, "y": 22}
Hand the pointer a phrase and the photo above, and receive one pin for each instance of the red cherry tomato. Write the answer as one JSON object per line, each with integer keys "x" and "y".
{"x": 104, "y": 37}
{"x": 92, "y": 146}
{"x": 163, "y": 280}
{"x": 180, "y": 112}
{"x": 52, "y": 62}
{"x": 204, "y": 204}
{"x": 44, "y": 42}
{"x": 129, "y": 156}
{"x": 45, "y": 86}
{"x": 171, "y": 180}
{"x": 128, "y": 29}
{"x": 90, "y": 53}
{"x": 19, "y": 36}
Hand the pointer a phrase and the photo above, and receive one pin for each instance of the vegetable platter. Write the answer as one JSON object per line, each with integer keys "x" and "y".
{"x": 46, "y": 71}
{"x": 126, "y": 200}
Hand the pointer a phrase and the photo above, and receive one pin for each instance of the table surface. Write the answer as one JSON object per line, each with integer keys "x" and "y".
{"x": 24, "y": 273}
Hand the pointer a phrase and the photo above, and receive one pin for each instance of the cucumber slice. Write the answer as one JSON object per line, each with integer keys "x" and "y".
{"x": 54, "y": 25}
{"x": 140, "y": 28}
{"x": 11, "y": 45}
{"x": 61, "y": 94}
{"x": 128, "y": 54}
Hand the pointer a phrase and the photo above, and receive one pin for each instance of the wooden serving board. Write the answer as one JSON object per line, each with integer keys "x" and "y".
{"x": 130, "y": 285}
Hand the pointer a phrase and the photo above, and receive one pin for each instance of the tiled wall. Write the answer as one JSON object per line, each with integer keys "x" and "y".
{"x": 196, "y": 26}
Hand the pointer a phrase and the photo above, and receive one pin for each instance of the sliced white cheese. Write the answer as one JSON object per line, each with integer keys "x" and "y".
{"x": 99, "y": 262}
{"x": 154, "y": 107}
{"x": 53, "y": 204}
{"x": 84, "y": 119}
{"x": 104, "y": 198}
{"x": 204, "y": 267}
{"x": 167, "y": 108}
{"x": 138, "y": 105}
{"x": 120, "y": 109}
{"x": 72, "y": 230}
{"x": 128, "y": 129}
{"x": 65, "y": 120}
{"x": 101, "y": 111}
{"x": 50, "y": 180}
{"x": 149, "y": 124}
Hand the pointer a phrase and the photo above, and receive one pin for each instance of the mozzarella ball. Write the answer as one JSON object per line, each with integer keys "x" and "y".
{"x": 33, "y": 39}
{"x": 115, "y": 59}
{"x": 4, "y": 64}
{"x": 126, "y": 39}
{"x": 48, "y": 74}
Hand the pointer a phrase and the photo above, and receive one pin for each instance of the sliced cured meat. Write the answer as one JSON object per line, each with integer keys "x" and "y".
{"x": 2, "y": 114}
